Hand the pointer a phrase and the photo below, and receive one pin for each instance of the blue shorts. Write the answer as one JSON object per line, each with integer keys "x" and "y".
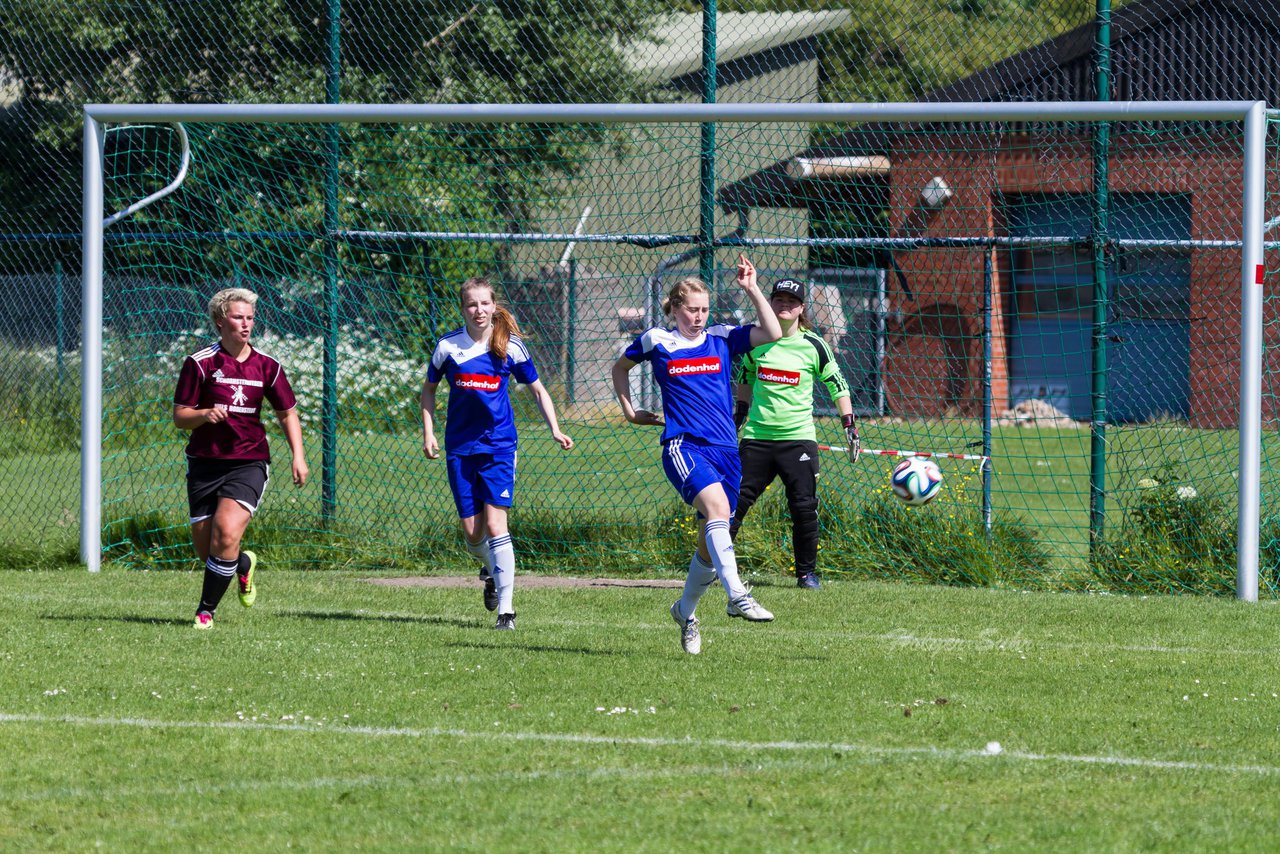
{"x": 480, "y": 479}
{"x": 692, "y": 466}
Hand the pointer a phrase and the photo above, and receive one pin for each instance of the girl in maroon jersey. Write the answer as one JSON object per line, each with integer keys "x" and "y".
{"x": 219, "y": 398}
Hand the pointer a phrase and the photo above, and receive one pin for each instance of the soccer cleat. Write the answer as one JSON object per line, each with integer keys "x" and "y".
{"x": 749, "y": 609}
{"x": 248, "y": 590}
{"x": 204, "y": 620}
{"x": 506, "y": 622}
{"x": 690, "y": 637}
{"x": 490, "y": 593}
{"x": 808, "y": 581}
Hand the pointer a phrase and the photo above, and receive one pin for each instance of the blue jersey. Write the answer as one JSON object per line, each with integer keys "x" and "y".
{"x": 479, "y": 420}
{"x": 697, "y": 397}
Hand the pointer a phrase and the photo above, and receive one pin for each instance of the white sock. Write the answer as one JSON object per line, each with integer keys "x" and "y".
{"x": 700, "y": 577}
{"x": 720, "y": 546}
{"x": 502, "y": 566}
{"x": 480, "y": 551}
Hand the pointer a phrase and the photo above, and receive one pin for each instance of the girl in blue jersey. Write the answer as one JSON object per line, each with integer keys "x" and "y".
{"x": 479, "y": 360}
{"x": 691, "y": 365}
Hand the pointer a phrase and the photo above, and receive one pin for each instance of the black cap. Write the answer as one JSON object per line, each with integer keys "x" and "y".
{"x": 790, "y": 287}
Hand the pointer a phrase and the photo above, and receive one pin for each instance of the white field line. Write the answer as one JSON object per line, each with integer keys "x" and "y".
{"x": 739, "y": 747}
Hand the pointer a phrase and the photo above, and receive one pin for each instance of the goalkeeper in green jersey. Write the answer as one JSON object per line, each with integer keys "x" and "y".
{"x": 774, "y": 390}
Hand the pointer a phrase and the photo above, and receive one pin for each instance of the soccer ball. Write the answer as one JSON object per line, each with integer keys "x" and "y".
{"x": 916, "y": 481}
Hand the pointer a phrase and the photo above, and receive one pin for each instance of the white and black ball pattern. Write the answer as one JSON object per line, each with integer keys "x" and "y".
{"x": 916, "y": 481}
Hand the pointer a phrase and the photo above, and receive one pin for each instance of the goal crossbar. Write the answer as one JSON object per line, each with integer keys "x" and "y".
{"x": 1061, "y": 111}
{"x": 1251, "y": 114}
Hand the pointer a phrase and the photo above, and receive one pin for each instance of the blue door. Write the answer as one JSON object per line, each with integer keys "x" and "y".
{"x": 1050, "y": 334}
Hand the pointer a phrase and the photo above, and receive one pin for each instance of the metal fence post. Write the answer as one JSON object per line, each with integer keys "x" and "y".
{"x": 1099, "y": 228}
{"x": 329, "y": 384}
{"x": 707, "y": 178}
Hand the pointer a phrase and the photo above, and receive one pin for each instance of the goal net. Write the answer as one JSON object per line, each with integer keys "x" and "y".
{"x": 1047, "y": 299}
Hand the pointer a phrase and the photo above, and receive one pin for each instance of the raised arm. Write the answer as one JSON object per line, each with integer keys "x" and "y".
{"x": 767, "y": 328}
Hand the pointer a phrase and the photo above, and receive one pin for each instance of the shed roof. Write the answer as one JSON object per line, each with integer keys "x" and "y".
{"x": 738, "y": 34}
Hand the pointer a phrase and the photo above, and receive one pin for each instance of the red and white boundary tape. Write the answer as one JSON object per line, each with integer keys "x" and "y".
{"x": 878, "y": 453}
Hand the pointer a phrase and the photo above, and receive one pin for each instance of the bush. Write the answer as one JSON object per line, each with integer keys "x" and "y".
{"x": 39, "y": 405}
{"x": 882, "y": 539}
{"x": 377, "y": 383}
{"x": 1174, "y": 539}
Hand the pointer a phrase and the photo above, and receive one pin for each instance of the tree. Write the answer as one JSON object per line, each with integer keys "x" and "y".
{"x": 61, "y": 54}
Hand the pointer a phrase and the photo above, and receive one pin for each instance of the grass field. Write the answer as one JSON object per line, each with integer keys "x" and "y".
{"x": 340, "y": 714}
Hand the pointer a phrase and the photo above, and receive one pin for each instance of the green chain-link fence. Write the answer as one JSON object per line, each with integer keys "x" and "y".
{"x": 1023, "y": 241}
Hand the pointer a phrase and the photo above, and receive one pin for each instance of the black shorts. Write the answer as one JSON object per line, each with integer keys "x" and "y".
{"x": 243, "y": 481}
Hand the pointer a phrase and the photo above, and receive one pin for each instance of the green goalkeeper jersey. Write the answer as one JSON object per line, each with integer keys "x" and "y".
{"x": 781, "y": 376}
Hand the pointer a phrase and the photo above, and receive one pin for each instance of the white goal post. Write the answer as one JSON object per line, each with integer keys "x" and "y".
{"x": 1251, "y": 114}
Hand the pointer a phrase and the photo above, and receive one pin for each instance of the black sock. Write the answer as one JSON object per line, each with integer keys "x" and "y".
{"x": 242, "y": 564}
{"x": 217, "y": 577}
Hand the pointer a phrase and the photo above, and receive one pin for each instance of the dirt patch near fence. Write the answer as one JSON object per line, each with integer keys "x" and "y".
{"x": 525, "y": 581}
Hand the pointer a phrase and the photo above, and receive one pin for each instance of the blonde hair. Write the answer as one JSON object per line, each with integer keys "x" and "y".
{"x": 504, "y": 322}
{"x": 218, "y": 304}
{"x": 680, "y": 292}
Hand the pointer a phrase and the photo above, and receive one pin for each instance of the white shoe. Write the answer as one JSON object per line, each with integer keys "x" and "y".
{"x": 749, "y": 609}
{"x": 690, "y": 637}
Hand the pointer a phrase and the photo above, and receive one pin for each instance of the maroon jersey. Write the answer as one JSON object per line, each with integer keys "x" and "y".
{"x": 212, "y": 378}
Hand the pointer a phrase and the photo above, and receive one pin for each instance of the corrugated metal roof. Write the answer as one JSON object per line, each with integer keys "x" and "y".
{"x": 738, "y": 34}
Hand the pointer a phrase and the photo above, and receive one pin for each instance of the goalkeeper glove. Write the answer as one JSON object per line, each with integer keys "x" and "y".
{"x": 851, "y": 436}
{"x": 740, "y": 410}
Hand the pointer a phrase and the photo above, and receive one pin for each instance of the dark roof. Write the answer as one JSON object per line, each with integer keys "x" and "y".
{"x": 1167, "y": 50}
{"x": 1192, "y": 50}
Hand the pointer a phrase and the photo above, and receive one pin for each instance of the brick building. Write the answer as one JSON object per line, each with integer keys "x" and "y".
{"x": 1173, "y": 318}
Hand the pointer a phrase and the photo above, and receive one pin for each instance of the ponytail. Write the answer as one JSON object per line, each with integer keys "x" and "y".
{"x": 504, "y": 327}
